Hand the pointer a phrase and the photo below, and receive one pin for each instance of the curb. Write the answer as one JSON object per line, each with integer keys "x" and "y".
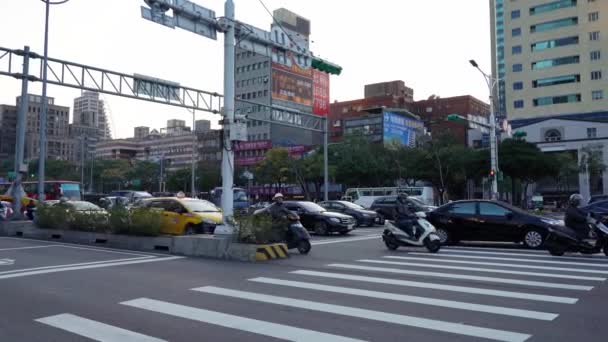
{"x": 273, "y": 251}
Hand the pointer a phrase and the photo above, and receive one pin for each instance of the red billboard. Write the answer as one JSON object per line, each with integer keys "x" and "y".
{"x": 320, "y": 92}
{"x": 292, "y": 82}
{"x": 253, "y": 145}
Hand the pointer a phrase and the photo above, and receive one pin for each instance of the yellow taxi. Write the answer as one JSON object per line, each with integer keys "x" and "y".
{"x": 24, "y": 200}
{"x": 186, "y": 216}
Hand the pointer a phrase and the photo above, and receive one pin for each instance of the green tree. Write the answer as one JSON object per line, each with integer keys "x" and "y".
{"x": 56, "y": 170}
{"x": 276, "y": 168}
{"x": 179, "y": 180}
{"x": 146, "y": 172}
{"x": 209, "y": 176}
{"x": 592, "y": 164}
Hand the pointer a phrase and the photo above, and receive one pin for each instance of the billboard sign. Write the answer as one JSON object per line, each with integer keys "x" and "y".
{"x": 156, "y": 88}
{"x": 320, "y": 92}
{"x": 400, "y": 128}
{"x": 292, "y": 82}
{"x": 253, "y": 145}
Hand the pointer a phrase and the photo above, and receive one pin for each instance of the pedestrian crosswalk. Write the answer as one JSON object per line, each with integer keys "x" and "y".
{"x": 451, "y": 293}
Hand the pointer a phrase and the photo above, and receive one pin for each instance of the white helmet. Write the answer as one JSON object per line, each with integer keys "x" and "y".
{"x": 277, "y": 195}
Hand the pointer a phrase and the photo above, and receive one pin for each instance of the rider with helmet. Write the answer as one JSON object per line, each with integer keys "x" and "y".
{"x": 404, "y": 216}
{"x": 277, "y": 210}
{"x": 576, "y": 218}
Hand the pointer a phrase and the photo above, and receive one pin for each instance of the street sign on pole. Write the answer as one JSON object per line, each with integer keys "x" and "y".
{"x": 186, "y": 15}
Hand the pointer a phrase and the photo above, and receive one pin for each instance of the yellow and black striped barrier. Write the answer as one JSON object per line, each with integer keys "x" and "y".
{"x": 273, "y": 251}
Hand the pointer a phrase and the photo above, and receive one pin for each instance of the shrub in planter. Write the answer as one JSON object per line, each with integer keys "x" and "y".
{"x": 258, "y": 229}
{"x": 52, "y": 217}
{"x": 119, "y": 218}
{"x": 144, "y": 222}
{"x": 89, "y": 221}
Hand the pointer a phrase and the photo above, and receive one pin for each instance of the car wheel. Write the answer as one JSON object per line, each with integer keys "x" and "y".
{"x": 533, "y": 239}
{"x": 444, "y": 236}
{"x": 189, "y": 230}
{"x": 321, "y": 228}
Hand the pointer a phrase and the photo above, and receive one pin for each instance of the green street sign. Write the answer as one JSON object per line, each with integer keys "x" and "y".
{"x": 136, "y": 182}
{"x": 12, "y": 175}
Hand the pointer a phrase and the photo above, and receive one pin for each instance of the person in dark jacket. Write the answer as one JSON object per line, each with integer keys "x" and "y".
{"x": 576, "y": 218}
{"x": 404, "y": 217}
{"x": 277, "y": 210}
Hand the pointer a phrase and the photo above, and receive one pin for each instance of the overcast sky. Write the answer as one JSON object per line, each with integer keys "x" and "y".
{"x": 426, "y": 43}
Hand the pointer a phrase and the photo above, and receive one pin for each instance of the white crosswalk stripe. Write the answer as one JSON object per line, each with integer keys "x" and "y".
{"x": 443, "y": 287}
{"x": 95, "y": 330}
{"x": 499, "y": 310}
{"x": 553, "y": 262}
{"x": 430, "y": 324}
{"x": 465, "y": 277}
{"x": 486, "y": 270}
{"x": 443, "y": 259}
{"x": 280, "y": 331}
{"x": 592, "y": 261}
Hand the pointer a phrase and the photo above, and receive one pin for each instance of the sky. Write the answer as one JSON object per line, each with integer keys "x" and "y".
{"x": 425, "y": 43}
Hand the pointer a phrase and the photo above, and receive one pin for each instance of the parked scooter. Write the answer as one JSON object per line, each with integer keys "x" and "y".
{"x": 296, "y": 236}
{"x": 563, "y": 239}
{"x": 395, "y": 237}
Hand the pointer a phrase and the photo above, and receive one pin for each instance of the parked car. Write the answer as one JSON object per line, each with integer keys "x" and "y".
{"x": 362, "y": 216}
{"x": 185, "y": 216}
{"x": 385, "y": 207}
{"x": 81, "y": 206}
{"x": 598, "y": 208}
{"x": 111, "y": 201}
{"x": 598, "y": 198}
{"x": 132, "y": 195}
{"x": 316, "y": 218}
{"x": 480, "y": 220}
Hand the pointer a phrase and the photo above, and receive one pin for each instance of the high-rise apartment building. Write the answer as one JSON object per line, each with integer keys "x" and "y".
{"x": 8, "y": 131}
{"x": 89, "y": 111}
{"x": 552, "y": 55}
{"x": 58, "y": 143}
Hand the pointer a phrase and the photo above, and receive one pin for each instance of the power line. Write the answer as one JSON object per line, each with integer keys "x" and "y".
{"x": 281, "y": 26}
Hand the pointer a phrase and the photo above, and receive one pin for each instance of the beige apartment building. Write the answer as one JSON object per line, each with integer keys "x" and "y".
{"x": 552, "y": 55}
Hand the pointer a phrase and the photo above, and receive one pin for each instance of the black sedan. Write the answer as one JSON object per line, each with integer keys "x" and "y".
{"x": 362, "y": 216}
{"x": 385, "y": 207}
{"x": 479, "y": 220}
{"x": 316, "y": 218}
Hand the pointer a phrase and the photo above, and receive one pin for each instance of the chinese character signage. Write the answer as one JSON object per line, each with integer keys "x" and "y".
{"x": 320, "y": 92}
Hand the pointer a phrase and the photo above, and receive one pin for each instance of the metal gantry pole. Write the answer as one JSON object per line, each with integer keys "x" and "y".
{"x": 20, "y": 141}
{"x": 493, "y": 142}
{"x": 194, "y": 151}
{"x": 43, "y": 111}
{"x": 82, "y": 163}
{"x": 325, "y": 161}
{"x": 227, "y": 153}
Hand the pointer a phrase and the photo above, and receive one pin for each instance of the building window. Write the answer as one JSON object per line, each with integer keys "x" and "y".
{"x": 553, "y": 100}
{"x": 516, "y": 50}
{"x": 597, "y": 95}
{"x": 547, "y": 63}
{"x": 594, "y": 16}
{"x": 517, "y": 67}
{"x": 549, "y": 44}
{"x": 596, "y": 75}
{"x": 551, "y": 81}
{"x": 553, "y": 135}
{"x": 552, "y": 6}
{"x": 516, "y": 32}
{"x": 554, "y": 24}
{"x": 518, "y": 85}
{"x": 595, "y": 55}
{"x": 591, "y": 133}
{"x": 515, "y": 14}
{"x": 595, "y": 35}
{"x": 518, "y": 103}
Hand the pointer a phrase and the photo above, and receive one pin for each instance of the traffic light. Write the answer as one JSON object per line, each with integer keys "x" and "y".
{"x": 492, "y": 174}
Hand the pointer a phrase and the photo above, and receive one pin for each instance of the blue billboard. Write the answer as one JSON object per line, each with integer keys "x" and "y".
{"x": 400, "y": 128}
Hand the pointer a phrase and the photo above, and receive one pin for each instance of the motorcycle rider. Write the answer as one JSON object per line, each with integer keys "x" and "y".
{"x": 404, "y": 217}
{"x": 576, "y": 218}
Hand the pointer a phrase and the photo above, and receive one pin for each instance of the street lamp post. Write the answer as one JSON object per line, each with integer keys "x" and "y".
{"x": 491, "y": 81}
{"x": 44, "y": 109}
{"x": 194, "y": 153}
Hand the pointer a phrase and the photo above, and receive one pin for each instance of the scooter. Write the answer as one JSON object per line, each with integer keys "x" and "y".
{"x": 563, "y": 239}
{"x": 395, "y": 237}
{"x": 296, "y": 237}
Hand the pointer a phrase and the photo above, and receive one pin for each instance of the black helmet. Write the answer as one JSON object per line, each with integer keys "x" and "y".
{"x": 575, "y": 200}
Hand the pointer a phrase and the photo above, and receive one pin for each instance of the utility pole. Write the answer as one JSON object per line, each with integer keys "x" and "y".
{"x": 325, "y": 162}
{"x": 82, "y": 162}
{"x": 227, "y": 153}
{"x": 194, "y": 153}
{"x": 20, "y": 143}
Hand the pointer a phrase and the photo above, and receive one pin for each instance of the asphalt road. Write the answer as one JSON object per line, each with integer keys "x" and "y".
{"x": 348, "y": 289}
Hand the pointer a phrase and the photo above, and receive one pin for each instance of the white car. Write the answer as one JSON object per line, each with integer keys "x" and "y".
{"x": 6, "y": 210}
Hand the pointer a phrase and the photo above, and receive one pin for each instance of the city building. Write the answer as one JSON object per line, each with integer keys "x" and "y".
{"x": 285, "y": 80}
{"x": 387, "y": 126}
{"x": 58, "y": 142}
{"x": 387, "y": 94}
{"x": 141, "y": 131}
{"x": 89, "y": 111}
{"x": 202, "y": 126}
{"x": 434, "y": 112}
{"x": 552, "y": 56}
{"x": 8, "y": 131}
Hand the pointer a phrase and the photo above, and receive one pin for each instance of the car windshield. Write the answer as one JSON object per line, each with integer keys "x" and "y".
{"x": 312, "y": 207}
{"x": 141, "y": 194}
{"x": 513, "y": 208}
{"x": 351, "y": 205}
{"x": 200, "y": 206}
{"x": 84, "y": 206}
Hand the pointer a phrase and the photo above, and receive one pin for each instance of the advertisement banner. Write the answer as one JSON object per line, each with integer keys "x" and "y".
{"x": 400, "y": 129}
{"x": 253, "y": 145}
{"x": 292, "y": 82}
{"x": 247, "y": 161}
{"x": 320, "y": 92}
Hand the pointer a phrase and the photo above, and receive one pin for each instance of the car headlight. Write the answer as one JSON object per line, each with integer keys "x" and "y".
{"x": 551, "y": 222}
{"x": 334, "y": 219}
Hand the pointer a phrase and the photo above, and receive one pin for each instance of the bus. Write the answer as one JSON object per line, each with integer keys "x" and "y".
{"x": 366, "y": 196}
{"x": 53, "y": 190}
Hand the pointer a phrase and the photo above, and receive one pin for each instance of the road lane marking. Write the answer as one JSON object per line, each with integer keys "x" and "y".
{"x": 598, "y": 262}
{"x": 70, "y": 265}
{"x": 27, "y": 247}
{"x": 487, "y": 270}
{"x": 524, "y": 260}
{"x": 354, "y": 239}
{"x": 6, "y": 262}
{"x": 280, "y": 331}
{"x": 499, "y": 310}
{"x": 517, "y": 248}
{"x": 443, "y": 287}
{"x": 437, "y": 258}
{"x": 76, "y": 246}
{"x": 95, "y": 330}
{"x": 84, "y": 267}
{"x": 424, "y": 323}
{"x": 465, "y": 277}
